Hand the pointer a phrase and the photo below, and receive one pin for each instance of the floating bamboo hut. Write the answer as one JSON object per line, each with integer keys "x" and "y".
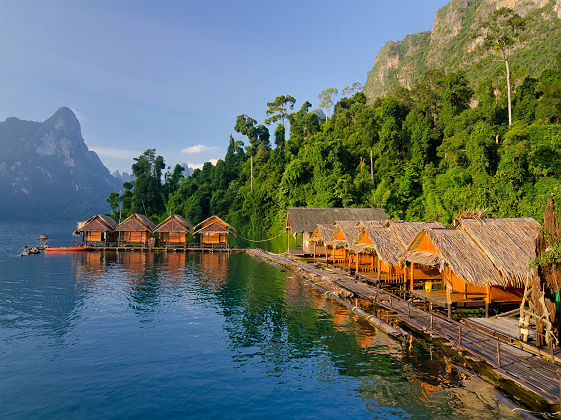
{"x": 303, "y": 221}
{"x": 173, "y": 232}
{"x": 213, "y": 232}
{"x": 98, "y": 230}
{"x": 135, "y": 230}
{"x": 343, "y": 236}
{"x": 379, "y": 246}
{"x": 469, "y": 277}
{"x": 320, "y": 235}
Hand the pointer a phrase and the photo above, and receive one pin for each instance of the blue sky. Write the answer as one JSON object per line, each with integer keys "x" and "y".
{"x": 173, "y": 75}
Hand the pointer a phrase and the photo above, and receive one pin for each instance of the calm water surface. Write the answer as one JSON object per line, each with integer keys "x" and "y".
{"x": 201, "y": 335}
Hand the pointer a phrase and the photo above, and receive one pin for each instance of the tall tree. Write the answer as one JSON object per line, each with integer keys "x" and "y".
{"x": 279, "y": 109}
{"x": 327, "y": 97}
{"x": 349, "y": 91}
{"x": 502, "y": 30}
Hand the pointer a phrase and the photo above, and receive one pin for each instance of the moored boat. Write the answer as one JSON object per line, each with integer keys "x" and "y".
{"x": 66, "y": 249}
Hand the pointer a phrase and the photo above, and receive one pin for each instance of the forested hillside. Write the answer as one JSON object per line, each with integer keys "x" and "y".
{"x": 433, "y": 156}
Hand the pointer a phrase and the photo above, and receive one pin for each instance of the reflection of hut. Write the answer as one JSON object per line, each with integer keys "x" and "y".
{"x": 135, "y": 230}
{"x": 303, "y": 221}
{"x": 98, "y": 230}
{"x": 320, "y": 235}
{"x": 343, "y": 236}
{"x": 379, "y": 246}
{"x": 173, "y": 231}
{"x": 213, "y": 232}
{"x": 469, "y": 277}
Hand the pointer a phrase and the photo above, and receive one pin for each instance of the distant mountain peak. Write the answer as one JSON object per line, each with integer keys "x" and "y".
{"x": 46, "y": 169}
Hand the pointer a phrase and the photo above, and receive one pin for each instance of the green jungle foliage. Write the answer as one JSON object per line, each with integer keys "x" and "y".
{"x": 433, "y": 157}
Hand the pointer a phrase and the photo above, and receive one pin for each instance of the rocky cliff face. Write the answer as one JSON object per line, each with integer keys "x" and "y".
{"x": 47, "y": 171}
{"x": 453, "y": 44}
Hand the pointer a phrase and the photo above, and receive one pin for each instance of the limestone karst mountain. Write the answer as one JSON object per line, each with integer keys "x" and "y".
{"x": 454, "y": 44}
{"x": 47, "y": 171}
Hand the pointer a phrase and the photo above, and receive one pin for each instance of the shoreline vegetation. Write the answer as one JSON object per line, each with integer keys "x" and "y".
{"x": 428, "y": 153}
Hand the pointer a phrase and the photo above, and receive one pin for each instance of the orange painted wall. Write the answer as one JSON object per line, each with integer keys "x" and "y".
{"x": 214, "y": 238}
{"x": 94, "y": 236}
{"x": 426, "y": 245}
{"x": 174, "y": 237}
{"x": 134, "y": 236}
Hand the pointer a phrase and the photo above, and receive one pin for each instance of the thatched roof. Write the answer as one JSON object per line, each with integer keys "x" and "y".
{"x": 384, "y": 243}
{"x": 406, "y": 231}
{"x": 213, "y": 228}
{"x": 136, "y": 223}
{"x": 349, "y": 229}
{"x": 174, "y": 223}
{"x": 459, "y": 252}
{"x": 390, "y": 239}
{"x": 322, "y": 233}
{"x": 508, "y": 243}
{"x": 214, "y": 219}
{"x": 300, "y": 219}
{"x": 97, "y": 223}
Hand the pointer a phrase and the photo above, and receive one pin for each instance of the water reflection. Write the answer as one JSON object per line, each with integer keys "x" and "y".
{"x": 215, "y": 333}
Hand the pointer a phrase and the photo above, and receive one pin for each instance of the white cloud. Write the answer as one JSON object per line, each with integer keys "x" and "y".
{"x": 115, "y": 153}
{"x": 200, "y": 165}
{"x": 198, "y": 148}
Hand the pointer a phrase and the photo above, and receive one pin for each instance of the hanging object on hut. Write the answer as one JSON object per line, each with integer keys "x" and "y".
{"x": 541, "y": 294}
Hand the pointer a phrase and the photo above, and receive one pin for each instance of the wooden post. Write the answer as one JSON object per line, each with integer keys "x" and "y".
{"x": 460, "y": 334}
{"x": 288, "y": 242}
{"x": 372, "y": 262}
{"x": 498, "y": 354}
{"x": 449, "y": 300}
{"x": 558, "y": 371}
{"x": 357, "y": 262}
{"x": 314, "y": 251}
{"x": 412, "y": 276}
{"x": 487, "y": 301}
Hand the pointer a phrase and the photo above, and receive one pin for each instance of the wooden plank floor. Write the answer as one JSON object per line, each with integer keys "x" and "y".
{"x": 524, "y": 368}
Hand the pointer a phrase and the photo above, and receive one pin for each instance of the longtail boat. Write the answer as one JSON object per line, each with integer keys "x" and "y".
{"x": 66, "y": 249}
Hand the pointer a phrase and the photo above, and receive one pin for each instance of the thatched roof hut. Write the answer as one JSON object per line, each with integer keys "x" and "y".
{"x": 508, "y": 243}
{"x": 322, "y": 233}
{"x": 97, "y": 223}
{"x": 136, "y": 223}
{"x": 300, "y": 219}
{"x": 390, "y": 239}
{"x": 455, "y": 249}
{"x": 213, "y": 224}
{"x": 174, "y": 223}
{"x": 406, "y": 231}
{"x": 344, "y": 234}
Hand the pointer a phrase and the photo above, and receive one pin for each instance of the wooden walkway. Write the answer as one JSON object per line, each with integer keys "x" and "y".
{"x": 524, "y": 368}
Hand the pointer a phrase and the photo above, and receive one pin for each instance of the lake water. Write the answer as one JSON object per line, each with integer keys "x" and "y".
{"x": 201, "y": 335}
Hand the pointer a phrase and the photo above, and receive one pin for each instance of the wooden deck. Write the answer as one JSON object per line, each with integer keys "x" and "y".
{"x": 438, "y": 298}
{"x": 163, "y": 249}
{"x": 527, "y": 370}
{"x": 522, "y": 367}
